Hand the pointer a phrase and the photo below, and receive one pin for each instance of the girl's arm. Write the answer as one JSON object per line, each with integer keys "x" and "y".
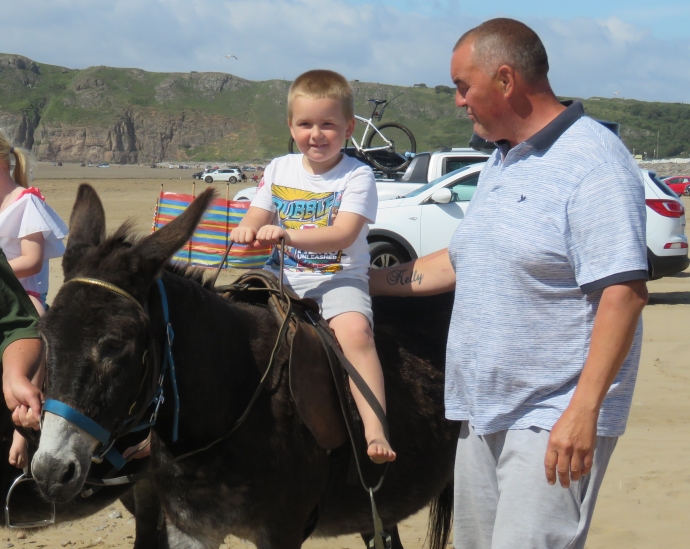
{"x": 338, "y": 236}
{"x": 31, "y": 260}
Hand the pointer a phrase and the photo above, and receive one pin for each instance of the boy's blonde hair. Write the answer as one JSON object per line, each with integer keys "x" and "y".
{"x": 21, "y": 161}
{"x": 322, "y": 84}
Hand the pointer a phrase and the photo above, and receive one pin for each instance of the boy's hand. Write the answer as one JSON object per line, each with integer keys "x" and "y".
{"x": 271, "y": 234}
{"x": 243, "y": 235}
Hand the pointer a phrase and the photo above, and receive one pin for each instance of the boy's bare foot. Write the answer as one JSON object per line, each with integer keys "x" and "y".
{"x": 19, "y": 456}
{"x": 379, "y": 451}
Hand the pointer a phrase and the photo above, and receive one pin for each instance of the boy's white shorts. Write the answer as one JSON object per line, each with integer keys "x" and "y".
{"x": 343, "y": 295}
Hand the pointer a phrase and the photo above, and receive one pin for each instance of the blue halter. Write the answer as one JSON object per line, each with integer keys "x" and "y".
{"x": 98, "y": 432}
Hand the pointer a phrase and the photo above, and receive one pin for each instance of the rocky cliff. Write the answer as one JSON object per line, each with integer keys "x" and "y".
{"x": 134, "y": 116}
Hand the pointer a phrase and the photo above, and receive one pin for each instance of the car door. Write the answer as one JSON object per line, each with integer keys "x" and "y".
{"x": 439, "y": 221}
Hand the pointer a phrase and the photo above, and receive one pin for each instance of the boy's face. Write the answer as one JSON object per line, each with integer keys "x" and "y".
{"x": 319, "y": 129}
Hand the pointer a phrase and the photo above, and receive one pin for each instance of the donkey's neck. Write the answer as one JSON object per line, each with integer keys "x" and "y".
{"x": 218, "y": 357}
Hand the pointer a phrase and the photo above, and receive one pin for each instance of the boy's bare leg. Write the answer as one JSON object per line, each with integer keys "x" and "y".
{"x": 357, "y": 341}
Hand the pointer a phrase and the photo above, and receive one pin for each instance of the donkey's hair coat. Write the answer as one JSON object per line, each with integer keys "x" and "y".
{"x": 269, "y": 482}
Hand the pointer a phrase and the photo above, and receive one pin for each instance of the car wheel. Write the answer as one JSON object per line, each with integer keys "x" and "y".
{"x": 686, "y": 190}
{"x": 385, "y": 254}
{"x": 208, "y": 179}
{"x": 233, "y": 180}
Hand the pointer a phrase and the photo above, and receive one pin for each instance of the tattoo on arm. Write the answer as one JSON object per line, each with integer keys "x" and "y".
{"x": 403, "y": 277}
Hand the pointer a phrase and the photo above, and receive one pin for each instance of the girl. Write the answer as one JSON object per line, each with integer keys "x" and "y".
{"x": 31, "y": 233}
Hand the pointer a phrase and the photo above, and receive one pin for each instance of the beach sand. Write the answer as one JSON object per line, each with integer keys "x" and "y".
{"x": 645, "y": 499}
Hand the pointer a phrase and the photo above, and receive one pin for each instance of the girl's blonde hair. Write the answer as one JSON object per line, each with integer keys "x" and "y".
{"x": 21, "y": 161}
{"x": 322, "y": 84}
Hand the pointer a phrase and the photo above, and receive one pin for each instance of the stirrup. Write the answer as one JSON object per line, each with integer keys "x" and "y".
{"x": 21, "y": 479}
{"x": 381, "y": 539}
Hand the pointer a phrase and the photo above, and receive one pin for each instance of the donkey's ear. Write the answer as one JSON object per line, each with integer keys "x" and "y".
{"x": 156, "y": 249}
{"x": 86, "y": 226}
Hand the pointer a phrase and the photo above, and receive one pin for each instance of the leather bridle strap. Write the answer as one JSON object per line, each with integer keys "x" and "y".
{"x": 110, "y": 287}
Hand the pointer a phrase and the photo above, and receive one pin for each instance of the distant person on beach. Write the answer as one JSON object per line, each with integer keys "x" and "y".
{"x": 549, "y": 269}
{"x": 31, "y": 233}
{"x": 326, "y": 259}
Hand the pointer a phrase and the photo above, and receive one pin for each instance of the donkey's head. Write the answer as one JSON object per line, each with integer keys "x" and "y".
{"x": 97, "y": 338}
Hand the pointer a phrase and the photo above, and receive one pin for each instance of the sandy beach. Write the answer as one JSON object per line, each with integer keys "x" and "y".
{"x": 645, "y": 498}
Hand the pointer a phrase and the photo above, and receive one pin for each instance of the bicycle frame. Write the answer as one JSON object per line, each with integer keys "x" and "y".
{"x": 374, "y": 129}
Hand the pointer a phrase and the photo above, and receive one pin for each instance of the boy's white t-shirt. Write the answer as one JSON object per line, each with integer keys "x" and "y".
{"x": 305, "y": 201}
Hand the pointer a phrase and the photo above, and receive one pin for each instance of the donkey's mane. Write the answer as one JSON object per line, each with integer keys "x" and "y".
{"x": 123, "y": 240}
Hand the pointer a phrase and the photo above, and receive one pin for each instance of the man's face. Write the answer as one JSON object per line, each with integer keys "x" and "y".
{"x": 477, "y": 92}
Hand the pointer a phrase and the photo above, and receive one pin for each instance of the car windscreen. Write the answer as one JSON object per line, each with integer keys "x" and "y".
{"x": 663, "y": 187}
{"x": 435, "y": 182}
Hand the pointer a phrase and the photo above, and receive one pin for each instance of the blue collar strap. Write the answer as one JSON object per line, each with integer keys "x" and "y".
{"x": 87, "y": 425}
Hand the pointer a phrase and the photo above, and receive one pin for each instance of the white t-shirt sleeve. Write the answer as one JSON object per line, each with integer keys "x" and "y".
{"x": 264, "y": 197}
{"x": 360, "y": 195}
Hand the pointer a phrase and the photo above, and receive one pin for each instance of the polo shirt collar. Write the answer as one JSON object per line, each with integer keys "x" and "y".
{"x": 550, "y": 133}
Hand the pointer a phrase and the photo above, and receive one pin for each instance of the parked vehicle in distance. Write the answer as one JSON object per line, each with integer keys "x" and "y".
{"x": 424, "y": 221}
{"x": 198, "y": 175}
{"x": 679, "y": 184}
{"x": 248, "y": 168}
{"x": 104, "y": 165}
{"x": 246, "y": 194}
{"x": 667, "y": 245}
{"x": 232, "y": 175}
{"x": 426, "y": 167}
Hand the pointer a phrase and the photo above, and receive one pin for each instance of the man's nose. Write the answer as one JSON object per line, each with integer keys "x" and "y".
{"x": 460, "y": 99}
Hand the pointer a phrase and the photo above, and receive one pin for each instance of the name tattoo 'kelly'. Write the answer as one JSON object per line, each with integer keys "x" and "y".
{"x": 400, "y": 277}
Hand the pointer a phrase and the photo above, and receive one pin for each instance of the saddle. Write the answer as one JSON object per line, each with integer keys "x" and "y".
{"x": 313, "y": 382}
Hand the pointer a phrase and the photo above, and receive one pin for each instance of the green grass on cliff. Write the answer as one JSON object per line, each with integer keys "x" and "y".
{"x": 101, "y": 96}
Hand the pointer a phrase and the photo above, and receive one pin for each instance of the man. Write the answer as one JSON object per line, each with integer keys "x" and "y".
{"x": 549, "y": 270}
{"x": 21, "y": 349}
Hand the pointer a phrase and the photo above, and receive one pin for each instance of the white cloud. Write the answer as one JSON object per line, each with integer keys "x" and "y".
{"x": 368, "y": 40}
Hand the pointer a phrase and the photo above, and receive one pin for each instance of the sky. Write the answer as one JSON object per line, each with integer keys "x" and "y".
{"x": 597, "y": 48}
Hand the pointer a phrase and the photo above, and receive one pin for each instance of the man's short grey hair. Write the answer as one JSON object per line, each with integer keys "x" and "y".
{"x": 508, "y": 42}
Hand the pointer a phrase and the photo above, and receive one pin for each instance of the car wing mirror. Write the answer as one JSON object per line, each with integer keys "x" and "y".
{"x": 441, "y": 196}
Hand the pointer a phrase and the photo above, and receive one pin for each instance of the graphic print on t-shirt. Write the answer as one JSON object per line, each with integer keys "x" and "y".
{"x": 304, "y": 210}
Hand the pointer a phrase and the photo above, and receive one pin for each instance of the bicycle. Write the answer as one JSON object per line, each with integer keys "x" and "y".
{"x": 389, "y": 152}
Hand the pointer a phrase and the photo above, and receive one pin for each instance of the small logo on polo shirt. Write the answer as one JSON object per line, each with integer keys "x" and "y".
{"x": 522, "y": 198}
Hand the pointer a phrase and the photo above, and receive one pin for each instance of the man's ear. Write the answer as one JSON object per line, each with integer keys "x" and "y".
{"x": 506, "y": 78}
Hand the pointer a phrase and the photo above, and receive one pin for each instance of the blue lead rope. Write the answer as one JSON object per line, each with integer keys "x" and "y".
{"x": 168, "y": 358}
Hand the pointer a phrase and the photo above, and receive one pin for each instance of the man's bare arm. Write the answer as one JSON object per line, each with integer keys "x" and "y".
{"x": 571, "y": 445}
{"x": 428, "y": 275}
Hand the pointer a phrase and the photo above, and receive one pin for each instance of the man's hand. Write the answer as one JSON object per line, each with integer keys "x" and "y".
{"x": 570, "y": 451}
{"x": 271, "y": 234}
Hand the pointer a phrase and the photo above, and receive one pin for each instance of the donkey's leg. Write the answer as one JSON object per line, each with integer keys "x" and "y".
{"x": 177, "y": 539}
{"x": 395, "y": 538}
{"x": 147, "y": 513}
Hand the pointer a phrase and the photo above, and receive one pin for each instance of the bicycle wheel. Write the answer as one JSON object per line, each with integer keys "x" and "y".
{"x": 398, "y": 156}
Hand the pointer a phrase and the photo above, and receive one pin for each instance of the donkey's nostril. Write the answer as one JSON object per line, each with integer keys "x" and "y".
{"x": 69, "y": 474}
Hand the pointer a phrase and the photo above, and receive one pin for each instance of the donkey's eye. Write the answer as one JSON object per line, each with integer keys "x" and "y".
{"x": 112, "y": 347}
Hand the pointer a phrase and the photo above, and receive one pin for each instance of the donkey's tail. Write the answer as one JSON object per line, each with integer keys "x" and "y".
{"x": 441, "y": 518}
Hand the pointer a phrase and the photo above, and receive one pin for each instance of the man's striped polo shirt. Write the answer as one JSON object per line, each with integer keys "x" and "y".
{"x": 554, "y": 221}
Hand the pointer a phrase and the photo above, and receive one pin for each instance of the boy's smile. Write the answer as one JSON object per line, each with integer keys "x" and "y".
{"x": 319, "y": 129}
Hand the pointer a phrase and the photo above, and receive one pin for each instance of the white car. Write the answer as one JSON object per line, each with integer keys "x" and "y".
{"x": 246, "y": 194}
{"x": 424, "y": 221}
{"x": 224, "y": 174}
{"x": 667, "y": 245}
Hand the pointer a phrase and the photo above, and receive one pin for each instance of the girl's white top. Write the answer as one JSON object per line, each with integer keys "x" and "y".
{"x": 26, "y": 216}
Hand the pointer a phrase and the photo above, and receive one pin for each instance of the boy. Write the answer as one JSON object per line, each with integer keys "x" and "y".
{"x": 306, "y": 192}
